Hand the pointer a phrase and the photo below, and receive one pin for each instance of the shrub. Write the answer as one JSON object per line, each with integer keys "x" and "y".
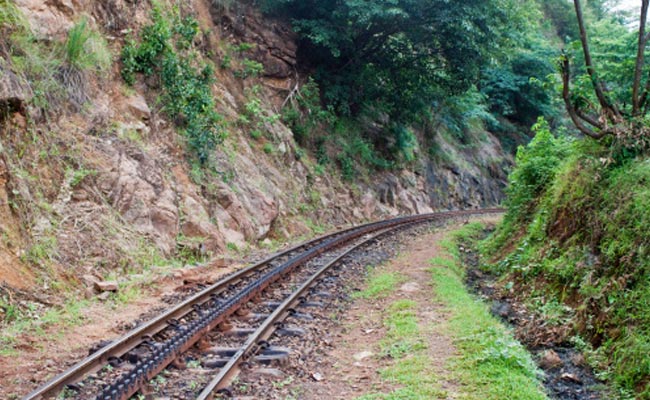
{"x": 582, "y": 222}
{"x": 537, "y": 164}
{"x": 250, "y": 68}
{"x": 165, "y": 49}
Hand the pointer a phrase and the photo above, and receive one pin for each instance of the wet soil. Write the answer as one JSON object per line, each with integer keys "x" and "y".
{"x": 567, "y": 375}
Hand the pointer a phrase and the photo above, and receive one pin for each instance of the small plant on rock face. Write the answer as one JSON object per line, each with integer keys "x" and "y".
{"x": 166, "y": 48}
{"x": 250, "y": 68}
{"x": 256, "y": 134}
{"x": 86, "y": 49}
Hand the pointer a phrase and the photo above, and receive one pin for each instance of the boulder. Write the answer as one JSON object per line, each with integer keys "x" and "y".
{"x": 48, "y": 19}
{"x": 369, "y": 204}
{"x": 106, "y": 286}
{"x": 138, "y": 107}
{"x": 14, "y": 92}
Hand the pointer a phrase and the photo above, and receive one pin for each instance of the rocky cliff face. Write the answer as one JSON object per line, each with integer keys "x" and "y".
{"x": 109, "y": 188}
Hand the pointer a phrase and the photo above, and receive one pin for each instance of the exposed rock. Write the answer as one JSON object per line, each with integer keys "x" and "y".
{"x": 106, "y": 286}
{"x": 138, "y": 107}
{"x": 363, "y": 355}
{"x": 14, "y": 93}
{"x": 222, "y": 262}
{"x": 138, "y": 191}
{"x": 571, "y": 378}
{"x": 369, "y": 204}
{"x": 197, "y": 225}
{"x": 275, "y": 42}
{"x": 268, "y": 372}
{"x": 410, "y": 287}
{"x": 234, "y": 237}
{"x": 48, "y": 19}
{"x": 142, "y": 194}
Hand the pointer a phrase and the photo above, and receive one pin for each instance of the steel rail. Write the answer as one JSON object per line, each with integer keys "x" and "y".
{"x": 123, "y": 344}
{"x": 127, "y": 342}
{"x": 229, "y": 371}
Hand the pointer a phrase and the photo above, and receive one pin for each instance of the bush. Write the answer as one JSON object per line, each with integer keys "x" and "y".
{"x": 537, "y": 164}
{"x": 165, "y": 49}
{"x": 250, "y": 68}
{"x": 86, "y": 49}
{"x": 578, "y": 225}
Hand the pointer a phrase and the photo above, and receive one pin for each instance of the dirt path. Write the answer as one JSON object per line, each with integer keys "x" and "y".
{"x": 359, "y": 349}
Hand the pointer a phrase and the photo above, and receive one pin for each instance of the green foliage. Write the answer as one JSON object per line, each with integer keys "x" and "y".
{"x": 537, "y": 164}
{"x": 86, "y": 49}
{"x": 304, "y": 113}
{"x": 256, "y": 134}
{"x": 459, "y": 114}
{"x": 166, "y": 49}
{"x": 516, "y": 89}
{"x": 492, "y": 365}
{"x": 11, "y": 18}
{"x": 250, "y": 69}
{"x": 379, "y": 286}
{"x": 582, "y": 221}
{"x": 443, "y": 45}
{"x": 255, "y": 117}
{"x": 78, "y": 175}
{"x": 613, "y": 45}
{"x": 268, "y": 148}
{"x": 399, "y": 61}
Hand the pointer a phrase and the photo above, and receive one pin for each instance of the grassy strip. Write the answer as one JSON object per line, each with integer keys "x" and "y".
{"x": 381, "y": 284}
{"x": 491, "y": 365}
{"x": 411, "y": 369}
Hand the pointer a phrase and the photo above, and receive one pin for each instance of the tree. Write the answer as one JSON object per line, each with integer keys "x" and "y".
{"x": 601, "y": 112}
{"x": 397, "y": 56}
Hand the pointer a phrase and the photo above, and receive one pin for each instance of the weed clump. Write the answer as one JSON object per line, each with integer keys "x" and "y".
{"x": 166, "y": 50}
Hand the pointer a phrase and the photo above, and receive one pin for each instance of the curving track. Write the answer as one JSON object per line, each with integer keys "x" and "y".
{"x": 127, "y": 365}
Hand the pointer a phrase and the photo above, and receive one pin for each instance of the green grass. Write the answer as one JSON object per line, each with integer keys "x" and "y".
{"x": 404, "y": 343}
{"x": 66, "y": 316}
{"x": 491, "y": 365}
{"x": 417, "y": 380}
{"x": 403, "y": 331}
{"x": 578, "y": 250}
{"x": 86, "y": 49}
{"x": 381, "y": 284}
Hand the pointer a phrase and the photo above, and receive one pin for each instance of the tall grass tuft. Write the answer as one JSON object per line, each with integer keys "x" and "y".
{"x": 86, "y": 49}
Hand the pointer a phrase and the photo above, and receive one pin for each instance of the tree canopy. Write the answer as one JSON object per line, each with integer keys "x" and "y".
{"x": 399, "y": 55}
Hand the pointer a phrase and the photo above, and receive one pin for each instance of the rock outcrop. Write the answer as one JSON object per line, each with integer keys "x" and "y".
{"x": 115, "y": 188}
{"x": 14, "y": 92}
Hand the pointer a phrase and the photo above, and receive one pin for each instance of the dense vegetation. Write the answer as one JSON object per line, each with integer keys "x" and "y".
{"x": 414, "y": 64}
{"x": 579, "y": 207}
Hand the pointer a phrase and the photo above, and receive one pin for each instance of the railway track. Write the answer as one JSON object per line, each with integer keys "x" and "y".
{"x": 206, "y": 321}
